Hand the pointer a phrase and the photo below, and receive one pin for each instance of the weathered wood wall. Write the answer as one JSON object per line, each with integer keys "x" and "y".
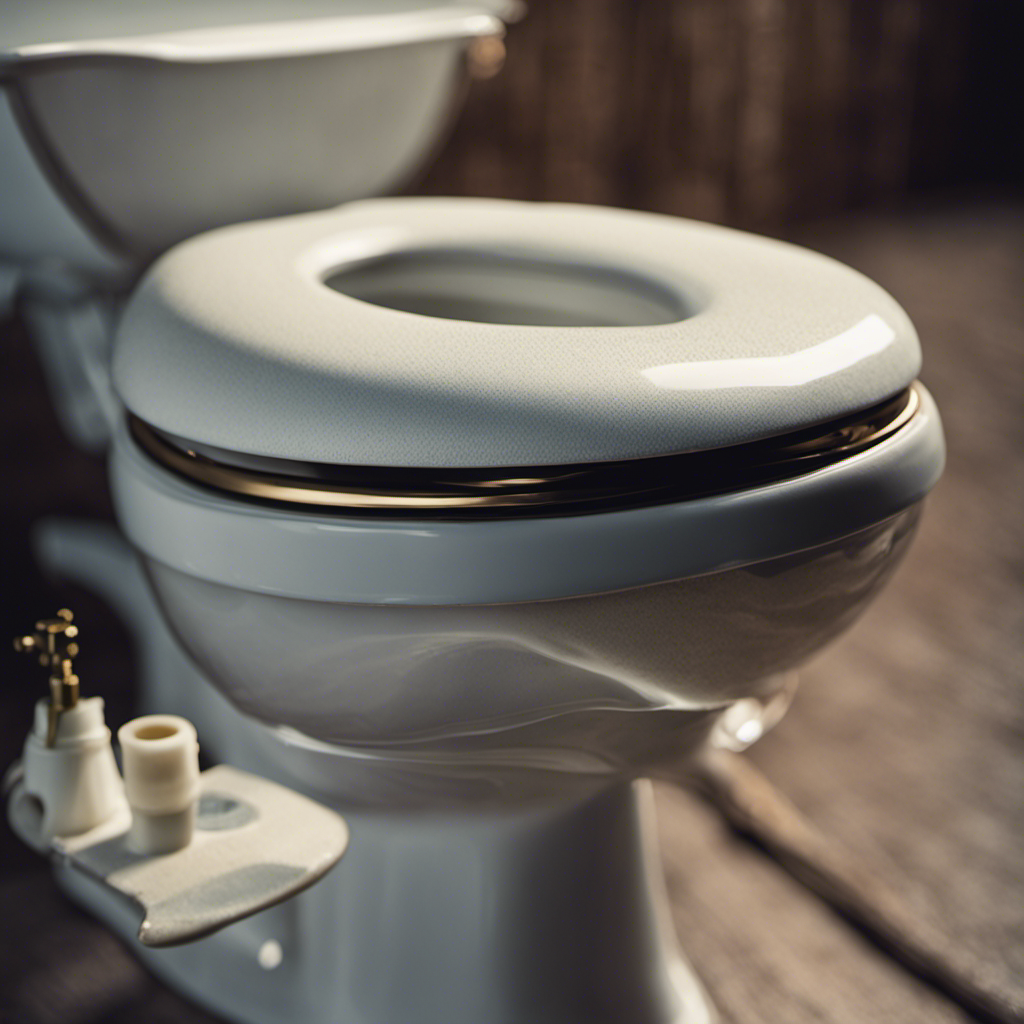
{"x": 750, "y": 112}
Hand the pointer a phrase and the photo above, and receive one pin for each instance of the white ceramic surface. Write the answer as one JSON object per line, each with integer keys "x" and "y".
{"x": 553, "y": 914}
{"x": 127, "y": 127}
{"x": 144, "y": 124}
{"x": 606, "y": 684}
{"x": 319, "y": 556}
{"x": 37, "y": 30}
{"x": 513, "y": 898}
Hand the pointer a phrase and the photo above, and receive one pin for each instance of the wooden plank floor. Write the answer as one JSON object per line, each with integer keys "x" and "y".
{"x": 904, "y": 744}
{"x": 905, "y": 740}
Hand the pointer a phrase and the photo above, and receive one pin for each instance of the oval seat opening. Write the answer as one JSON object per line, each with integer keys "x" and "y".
{"x": 532, "y": 289}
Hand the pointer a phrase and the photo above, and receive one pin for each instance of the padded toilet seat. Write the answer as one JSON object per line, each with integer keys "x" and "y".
{"x": 234, "y": 350}
{"x": 234, "y": 339}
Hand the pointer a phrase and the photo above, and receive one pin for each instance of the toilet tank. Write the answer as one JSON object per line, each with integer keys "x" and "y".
{"x": 127, "y": 128}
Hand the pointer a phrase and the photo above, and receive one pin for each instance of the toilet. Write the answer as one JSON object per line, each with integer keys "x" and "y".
{"x": 488, "y": 510}
{"x": 472, "y": 457}
{"x": 476, "y": 514}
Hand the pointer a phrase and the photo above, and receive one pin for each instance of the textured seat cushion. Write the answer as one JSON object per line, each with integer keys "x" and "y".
{"x": 638, "y": 335}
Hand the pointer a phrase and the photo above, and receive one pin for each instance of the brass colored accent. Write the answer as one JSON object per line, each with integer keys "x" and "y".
{"x": 485, "y": 57}
{"x": 527, "y": 490}
{"x": 55, "y": 645}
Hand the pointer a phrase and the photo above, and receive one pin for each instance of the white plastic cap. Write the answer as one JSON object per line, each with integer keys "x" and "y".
{"x": 160, "y": 760}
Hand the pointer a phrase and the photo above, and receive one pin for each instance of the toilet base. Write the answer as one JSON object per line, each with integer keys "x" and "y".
{"x": 552, "y": 915}
{"x": 545, "y": 911}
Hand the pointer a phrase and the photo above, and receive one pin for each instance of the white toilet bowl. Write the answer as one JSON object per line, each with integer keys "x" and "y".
{"x": 486, "y": 509}
{"x": 478, "y": 512}
{"x": 664, "y": 463}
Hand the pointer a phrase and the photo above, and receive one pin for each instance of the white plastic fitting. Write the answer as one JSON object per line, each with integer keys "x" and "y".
{"x": 76, "y": 780}
{"x": 160, "y": 758}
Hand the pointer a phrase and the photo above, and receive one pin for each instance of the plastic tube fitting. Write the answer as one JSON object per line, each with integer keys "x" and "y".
{"x": 160, "y": 761}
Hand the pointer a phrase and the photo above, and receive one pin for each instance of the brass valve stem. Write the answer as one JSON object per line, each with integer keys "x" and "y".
{"x": 53, "y": 642}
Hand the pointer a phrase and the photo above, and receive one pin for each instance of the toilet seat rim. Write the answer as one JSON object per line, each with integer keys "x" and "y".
{"x": 380, "y": 560}
{"x": 270, "y": 39}
{"x": 492, "y": 492}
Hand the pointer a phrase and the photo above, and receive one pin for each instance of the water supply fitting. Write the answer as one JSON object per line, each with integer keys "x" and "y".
{"x": 160, "y": 760}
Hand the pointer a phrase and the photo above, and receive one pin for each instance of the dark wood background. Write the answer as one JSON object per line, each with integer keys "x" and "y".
{"x": 755, "y": 113}
{"x": 881, "y": 133}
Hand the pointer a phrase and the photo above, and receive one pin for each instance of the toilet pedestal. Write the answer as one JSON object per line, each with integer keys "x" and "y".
{"x": 547, "y": 915}
{"x": 547, "y": 911}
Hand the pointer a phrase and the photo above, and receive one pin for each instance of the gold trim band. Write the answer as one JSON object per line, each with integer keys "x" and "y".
{"x": 538, "y": 490}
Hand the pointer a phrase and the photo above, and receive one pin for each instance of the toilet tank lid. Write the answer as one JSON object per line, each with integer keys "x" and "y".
{"x": 236, "y": 339}
{"x": 35, "y": 31}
